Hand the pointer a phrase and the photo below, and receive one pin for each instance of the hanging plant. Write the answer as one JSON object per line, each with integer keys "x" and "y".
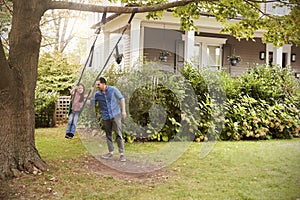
{"x": 233, "y": 59}
{"x": 163, "y": 55}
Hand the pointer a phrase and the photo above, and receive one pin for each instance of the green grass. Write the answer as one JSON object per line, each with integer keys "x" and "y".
{"x": 232, "y": 170}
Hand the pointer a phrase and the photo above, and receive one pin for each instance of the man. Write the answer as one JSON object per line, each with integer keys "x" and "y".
{"x": 109, "y": 98}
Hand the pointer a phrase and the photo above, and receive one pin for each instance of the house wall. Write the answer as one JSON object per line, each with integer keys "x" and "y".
{"x": 156, "y": 40}
{"x": 296, "y": 65}
{"x": 247, "y": 50}
{"x": 163, "y": 35}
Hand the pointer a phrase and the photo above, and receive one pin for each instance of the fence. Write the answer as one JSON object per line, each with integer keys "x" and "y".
{"x": 62, "y": 108}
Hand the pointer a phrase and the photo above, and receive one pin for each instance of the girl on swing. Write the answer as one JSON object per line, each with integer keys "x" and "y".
{"x": 77, "y": 97}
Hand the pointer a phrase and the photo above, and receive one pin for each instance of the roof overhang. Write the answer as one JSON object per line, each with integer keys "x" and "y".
{"x": 206, "y": 23}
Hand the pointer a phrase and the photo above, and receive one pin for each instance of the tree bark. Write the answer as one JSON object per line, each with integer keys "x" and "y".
{"x": 17, "y": 89}
{"x": 116, "y": 9}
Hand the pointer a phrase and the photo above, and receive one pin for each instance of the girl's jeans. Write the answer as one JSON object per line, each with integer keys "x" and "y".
{"x": 72, "y": 122}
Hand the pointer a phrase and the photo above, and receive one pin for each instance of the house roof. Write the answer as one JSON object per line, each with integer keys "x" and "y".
{"x": 108, "y": 19}
{"x": 116, "y": 15}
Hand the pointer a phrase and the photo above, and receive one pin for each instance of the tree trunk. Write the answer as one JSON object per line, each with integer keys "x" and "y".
{"x": 17, "y": 89}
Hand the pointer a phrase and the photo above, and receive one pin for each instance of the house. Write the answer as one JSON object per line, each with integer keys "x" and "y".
{"x": 163, "y": 41}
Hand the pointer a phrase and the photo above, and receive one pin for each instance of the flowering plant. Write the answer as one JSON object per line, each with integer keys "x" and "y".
{"x": 234, "y": 57}
{"x": 164, "y": 53}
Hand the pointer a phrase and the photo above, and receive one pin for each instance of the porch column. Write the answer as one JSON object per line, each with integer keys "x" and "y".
{"x": 287, "y": 48}
{"x": 277, "y": 56}
{"x": 135, "y": 41}
{"x": 106, "y": 47}
{"x": 268, "y": 49}
{"x": 189, "y": 45}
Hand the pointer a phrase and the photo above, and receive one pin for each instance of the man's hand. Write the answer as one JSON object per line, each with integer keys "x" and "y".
{"x": 123, "y": 115}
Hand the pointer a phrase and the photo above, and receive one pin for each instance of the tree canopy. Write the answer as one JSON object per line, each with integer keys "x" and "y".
{"x": 250, "y": 16}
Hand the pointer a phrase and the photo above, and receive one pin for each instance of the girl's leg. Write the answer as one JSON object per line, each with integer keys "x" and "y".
{"x": 68, "y": 130}
{"x": 74, "y": 124}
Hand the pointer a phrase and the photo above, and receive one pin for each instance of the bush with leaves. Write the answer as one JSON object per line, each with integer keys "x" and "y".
{"x": 44, "y": 108}
{"x": 228, "y": 108}
{"x": 269, "y": 83}
{"x": 266, "y": 107}
{"x": 211, "y": 88}
{"x": 248, "y": 118}
{"x": 147, "y": 101}
{"x": 56, "y": 76}
{"x": 261, "y": 104}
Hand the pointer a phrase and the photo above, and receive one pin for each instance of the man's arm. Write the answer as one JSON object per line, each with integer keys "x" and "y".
{"x": 92, "y": 100}
{"x": 123, "y": 110}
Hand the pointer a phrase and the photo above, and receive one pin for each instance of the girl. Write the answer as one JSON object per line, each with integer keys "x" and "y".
{"x": 77, "y": 96}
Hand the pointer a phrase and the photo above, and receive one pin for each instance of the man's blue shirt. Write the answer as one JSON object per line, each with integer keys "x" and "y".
{"x": 109, "y": 102}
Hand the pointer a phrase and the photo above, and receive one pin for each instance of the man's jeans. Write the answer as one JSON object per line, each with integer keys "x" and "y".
{"x": 116, "y": 125}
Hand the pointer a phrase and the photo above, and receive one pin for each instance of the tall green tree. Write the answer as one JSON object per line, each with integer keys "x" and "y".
{"x": 19, "y": 68}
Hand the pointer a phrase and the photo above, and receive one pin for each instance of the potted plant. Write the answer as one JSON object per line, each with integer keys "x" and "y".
{"x": 233, "y": 59}
{"x": 163, "y": 55}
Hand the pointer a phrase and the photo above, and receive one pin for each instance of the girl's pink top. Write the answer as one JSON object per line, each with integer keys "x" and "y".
{"x": 76, "y": 105}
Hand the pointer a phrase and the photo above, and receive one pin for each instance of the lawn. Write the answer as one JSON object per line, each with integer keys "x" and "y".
{"x": 232, "y": 170}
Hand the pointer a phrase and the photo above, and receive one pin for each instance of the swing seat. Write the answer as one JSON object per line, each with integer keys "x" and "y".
{"x": 118, "y": 58}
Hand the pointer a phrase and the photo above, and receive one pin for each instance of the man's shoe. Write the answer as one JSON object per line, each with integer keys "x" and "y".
{"x": 107, "y": 156}
{"x": 122, "y": 158}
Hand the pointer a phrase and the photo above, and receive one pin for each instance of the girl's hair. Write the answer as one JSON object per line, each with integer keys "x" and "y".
{"x": 82, "y": 94}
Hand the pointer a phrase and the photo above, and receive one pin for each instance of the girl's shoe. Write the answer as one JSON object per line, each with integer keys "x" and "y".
{"x": 69, "y": 136}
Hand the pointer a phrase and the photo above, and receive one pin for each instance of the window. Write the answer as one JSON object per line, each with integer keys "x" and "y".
{"x": 210, "y": 51}
{"x": 213, "y": 54}
{"x": 197, "y": 59}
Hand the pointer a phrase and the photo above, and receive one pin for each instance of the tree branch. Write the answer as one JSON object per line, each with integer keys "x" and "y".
{"x": 251, "y": 3}
{"x": 116, "y": 9}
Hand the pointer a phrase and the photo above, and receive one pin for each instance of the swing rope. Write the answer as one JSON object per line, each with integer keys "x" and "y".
{"x": 89, "y": 59}
{"x": 91, "y": 53}
{"x": 116, "y": 45}
{"x": 109, "y": 56}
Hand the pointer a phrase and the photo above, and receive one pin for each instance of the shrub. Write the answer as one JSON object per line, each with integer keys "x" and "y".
{"x": 261, "y": 104}
{"x": 148, "y": 102}
{"x": 269, "y": 83}
{"x": 247, "y": 118}
{"x": 55, "y": 78}
{"x": 44, "y": 108}
{"x": 251, "y": 107}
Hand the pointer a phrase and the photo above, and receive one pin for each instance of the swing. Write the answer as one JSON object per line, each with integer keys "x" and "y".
{"x": 117, "y": 52}
{"x": 89, "y": 59}
{"x": 118, "y": 56}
